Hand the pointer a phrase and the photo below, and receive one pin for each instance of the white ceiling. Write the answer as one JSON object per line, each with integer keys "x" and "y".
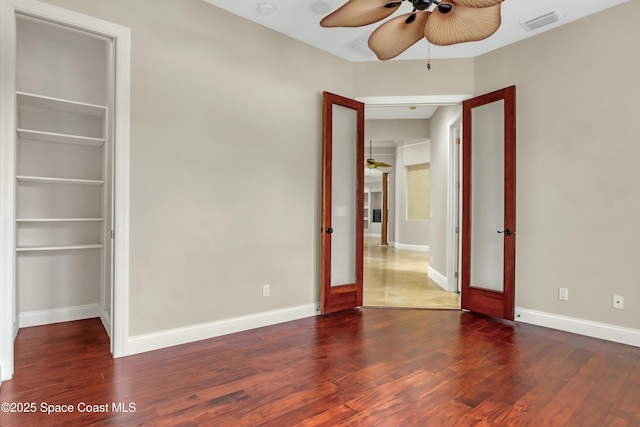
{"x": 296, "y": 19}
{"x": 391, "y": 112}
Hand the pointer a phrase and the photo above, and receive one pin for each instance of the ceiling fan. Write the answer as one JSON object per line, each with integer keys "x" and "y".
{"x": 372, "y": 164}
{"x": 441, "y": 22}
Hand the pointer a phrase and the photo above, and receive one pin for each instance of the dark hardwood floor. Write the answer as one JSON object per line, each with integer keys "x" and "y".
{"x": 368, "y": 367}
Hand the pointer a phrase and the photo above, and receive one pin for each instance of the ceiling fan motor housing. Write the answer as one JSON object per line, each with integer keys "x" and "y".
{"x": 445, "y": 7}
{"x": 423, "y": 4}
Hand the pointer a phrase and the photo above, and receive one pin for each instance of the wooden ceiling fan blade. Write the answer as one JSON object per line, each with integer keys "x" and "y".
{"x": 382, "y": 165}
{"x": 396, "y": 35}
{"x": 478, "y": 3}
{"x": 356, "y": 13}
{"x": 462, "y": 24}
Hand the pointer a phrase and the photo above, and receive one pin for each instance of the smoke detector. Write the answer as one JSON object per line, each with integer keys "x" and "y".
{"x": 266, "y": 7}
{"x": 320, "y": 8}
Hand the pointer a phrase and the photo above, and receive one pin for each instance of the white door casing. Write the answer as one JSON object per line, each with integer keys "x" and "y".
{"x": 453, "y": 203}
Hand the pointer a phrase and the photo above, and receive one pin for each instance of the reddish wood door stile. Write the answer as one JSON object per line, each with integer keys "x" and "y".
{"x": 489, "y": 241}
{"x": 342, "y": 203}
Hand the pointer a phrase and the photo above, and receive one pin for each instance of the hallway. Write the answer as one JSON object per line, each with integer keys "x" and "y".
{"x": 398, "y": 278}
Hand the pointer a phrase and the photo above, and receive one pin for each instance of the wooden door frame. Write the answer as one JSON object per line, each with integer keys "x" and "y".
{"x": 121, "y": 37}
{"x": 492, "y": 303}
{"x": 337, "y": 298}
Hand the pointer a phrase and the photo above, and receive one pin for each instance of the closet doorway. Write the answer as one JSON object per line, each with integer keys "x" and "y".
{"x": 64, "y": 172}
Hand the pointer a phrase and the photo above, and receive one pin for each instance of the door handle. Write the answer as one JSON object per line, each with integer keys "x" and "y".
{"x": 329, "y": 230}
{"x": 506, "y": 232}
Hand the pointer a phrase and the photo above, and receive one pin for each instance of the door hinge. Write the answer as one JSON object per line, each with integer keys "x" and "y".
{"x": 457, "y": 185}
{"x": 457, "y": 230}
{"x": 456, "y": 275}
{"x": 458, "y": 141}
{"x": 112, "y": 234}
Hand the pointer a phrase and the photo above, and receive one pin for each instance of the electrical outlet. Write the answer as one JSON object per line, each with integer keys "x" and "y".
{"x": 266, "y": 290}
{"x": 563, "y": 294}
{"x": 618, "y": 302}
{"x": 431, "y": 259}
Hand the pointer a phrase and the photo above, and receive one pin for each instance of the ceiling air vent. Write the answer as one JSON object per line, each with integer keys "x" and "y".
{"x": 361, "y": 44}
{"x": 542, "y": 20}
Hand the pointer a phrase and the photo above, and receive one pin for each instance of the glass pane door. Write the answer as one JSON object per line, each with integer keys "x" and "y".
{"x": 344, "y": 200}
{"x": 487, "y": 196}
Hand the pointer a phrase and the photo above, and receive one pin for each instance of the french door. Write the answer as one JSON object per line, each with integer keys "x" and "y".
{"x": 489, "y": 203}
{"x": 342, "y": 203}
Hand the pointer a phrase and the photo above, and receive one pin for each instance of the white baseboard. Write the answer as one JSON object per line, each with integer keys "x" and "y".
{"x": 419, "y": 248}
{"x": 57, "y": 315}
{"x": 372, "y": 235}
{"x": 106, "y": 322}
{"x": 439, "y": 278}
{"x": 578, "y": 326}
{"x": 157, "y": 340}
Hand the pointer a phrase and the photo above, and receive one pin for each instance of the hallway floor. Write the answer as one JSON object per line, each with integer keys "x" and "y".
{"x": 398, "y": 278}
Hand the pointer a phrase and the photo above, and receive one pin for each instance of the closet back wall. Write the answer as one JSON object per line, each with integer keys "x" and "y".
{"x": 63, "y": 186}
{"x": 61, "y": 63}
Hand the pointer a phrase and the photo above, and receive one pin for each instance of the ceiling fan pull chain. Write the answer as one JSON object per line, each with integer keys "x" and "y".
{"x": 428, "y": 49}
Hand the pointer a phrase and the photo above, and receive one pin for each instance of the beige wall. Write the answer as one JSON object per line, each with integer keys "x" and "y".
{"x": 411, "y": 78}
{"x": 578, "y": 198}
{"x": 214, "y": 213}
{"x": 214, "y": 96}
{"x": 396, "y": 130}
{"x": 439, "y": 181}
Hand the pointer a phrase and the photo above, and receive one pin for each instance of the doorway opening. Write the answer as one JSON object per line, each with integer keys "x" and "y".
{"x": 403, "y": 273}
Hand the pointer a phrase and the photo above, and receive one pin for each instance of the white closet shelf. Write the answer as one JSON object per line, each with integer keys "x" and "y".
{"x": 59, "y": 219}
{"x": 37, "y": 135}
{"x": 58, "y": 104}
{"x": 59, "y": 248}
{"x": 51, "y": 180}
